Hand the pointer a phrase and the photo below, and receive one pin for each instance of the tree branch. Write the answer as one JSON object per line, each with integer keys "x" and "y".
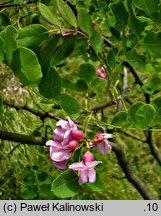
{"x": 131, "y": 177}
{"x": 122, "y": 160}
{"x": 38, "y": 113}
{"x": 103, "y": 106}
{"x": 154, "y": 151}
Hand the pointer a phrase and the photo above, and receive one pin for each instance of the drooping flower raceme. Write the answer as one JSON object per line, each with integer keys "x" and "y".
{"x": 101, "y": 72}
{"x": 101, "y": 143}
{"x": 63, "y": 144}
{"x": 86, "y": 168}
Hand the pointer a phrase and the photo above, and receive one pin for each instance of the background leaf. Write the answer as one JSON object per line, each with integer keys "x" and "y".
{"x": 66, "y": 185}
{"x": 87, "y": 72}
{"x": 50, "y": 84}
{"x": 26, "y": 67}
{"x": 1, "y": 107}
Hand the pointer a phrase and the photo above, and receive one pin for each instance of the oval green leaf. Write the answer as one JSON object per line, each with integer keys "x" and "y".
{"x": 67, "y": 13}
{"x": 50, "y": 84}
{"x": 69, "y": 104}
{"x": 26, "y": 67}
{"x": 32, "y": 35}
{"x": 66, "y": 185}
{"x": 87, "y": 72}
{"x": 48, "y": 15}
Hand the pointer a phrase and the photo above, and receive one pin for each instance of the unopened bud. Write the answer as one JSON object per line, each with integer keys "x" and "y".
{"x": 77, "y": 134}
{"x": 73, "y": 144}
{"x": 88, "y": 157}
{"x": 99, "y": 138}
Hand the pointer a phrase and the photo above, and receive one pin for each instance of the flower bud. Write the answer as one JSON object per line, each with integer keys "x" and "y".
{"x": 88, "y": 157}
{"x": 73, "y": 144}
{"x": 99, "y": 138}
{"x": 77, "y": 134}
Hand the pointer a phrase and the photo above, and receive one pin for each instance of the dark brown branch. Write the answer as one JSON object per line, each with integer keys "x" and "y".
{"x": 154, "y": 151}
{"x": 122, "y": 160}
{"x": 32, "y": 140}
{"x": 38, "y": 113}
{"x": 103, "y": 106}
{"x": 129, "y": 135}
{"x": 129, "y": 174}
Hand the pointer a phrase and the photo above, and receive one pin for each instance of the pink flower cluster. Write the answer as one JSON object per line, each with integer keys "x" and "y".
{"x": 66, "y": 139}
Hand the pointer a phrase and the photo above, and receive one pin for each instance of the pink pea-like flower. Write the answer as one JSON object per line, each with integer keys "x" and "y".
{"x": 77, "y": 134}
{"x": 86, "y": 169}
{"x": 101, "y": 72}
{"x": 63, "y": 145}
{"x": 101, "y": 143}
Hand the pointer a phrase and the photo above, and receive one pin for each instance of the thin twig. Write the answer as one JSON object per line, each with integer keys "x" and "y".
{"x": 103, "y": 106}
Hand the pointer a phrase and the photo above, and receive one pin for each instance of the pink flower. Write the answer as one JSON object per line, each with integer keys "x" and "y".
{"x": 86, "y": 168}
{"x": 68, "y": 32}
{"x": 63, "y": 130}
{"x": 63, "y": 145}
{"x": 101, "y": 72}
{"x": 101, "y": 143}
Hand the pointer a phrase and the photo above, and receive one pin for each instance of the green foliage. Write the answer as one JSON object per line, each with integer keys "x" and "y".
{"x": 86, "y": 72}
{"x": 69, "y": 104}
{"x": 66, "y": 185}
{"x": 64, "y": 50}
{"x": 98, "y": 83}
{"x": 32, "y": 35}
{"x": 1, "y": 107}
{"x": 48, "y": 15}
{"x": 8, "y": 38}
{"x": 97, "y": 41}
{"x": 26, "y": 67}
{"x": 66, "y": 13}
{"x": 85, "y": 22}
{"x": 50, "y": 84}
{"x": 121, "y": 15}
{"x": 156, "y": 102}
{"x": 120, "y": 119}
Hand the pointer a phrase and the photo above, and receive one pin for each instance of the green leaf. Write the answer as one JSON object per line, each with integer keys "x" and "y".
{"x": 152, "y": 43}
{"x": 64, "y": 50}
{"x": 121, "y": 15}
{"x": 32, "y": 35}
{"x": 50, "y": 84}
{"x": 151, "y": 8}
{"x": 4, "y": 19}
{"x": 26, "y": 67}
{"x": 85, "y": 22}
{"x": 1, "y": 50}
{"x": 132, "y": 111}
{"x": 29, "y": 193}
{"x": 87, "y": 72}
{"x": 82, "y": 85}
{"x": 135, "y": 59}
{"x": 69, "y": 104}
{"x": 68, "y": 84}
{"x": 47, "y": 52}
{"x": 66, "y": 185}
{"x": 66, "y": 13}
{"x": 98, "y": 185}
{"x": 1, "y": 108}
{"x": 48, "y": 15}
{"x": 97, "y": 41}
{"x": 156, "y": 102}
{"x": 144, "y": 116}
{"x": 120, "y": 119}
{"x": 134, "y": 22}
{"x": 98, "y": 83}
{"x": 8, "y": 36}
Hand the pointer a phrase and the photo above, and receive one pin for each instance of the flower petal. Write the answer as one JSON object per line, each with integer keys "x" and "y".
{"x": 104, "y": 147}
{"x": 72, "y": 125}
{"x": 92, "y": 164}
{"x": 106, "y": 135}
{"x": 60, "y": 165}
{"x": 92, "y": 175}
{"x": 83, "y": 176}
{"x": 77, "y": 166}
{"x": 60, "y": 154}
